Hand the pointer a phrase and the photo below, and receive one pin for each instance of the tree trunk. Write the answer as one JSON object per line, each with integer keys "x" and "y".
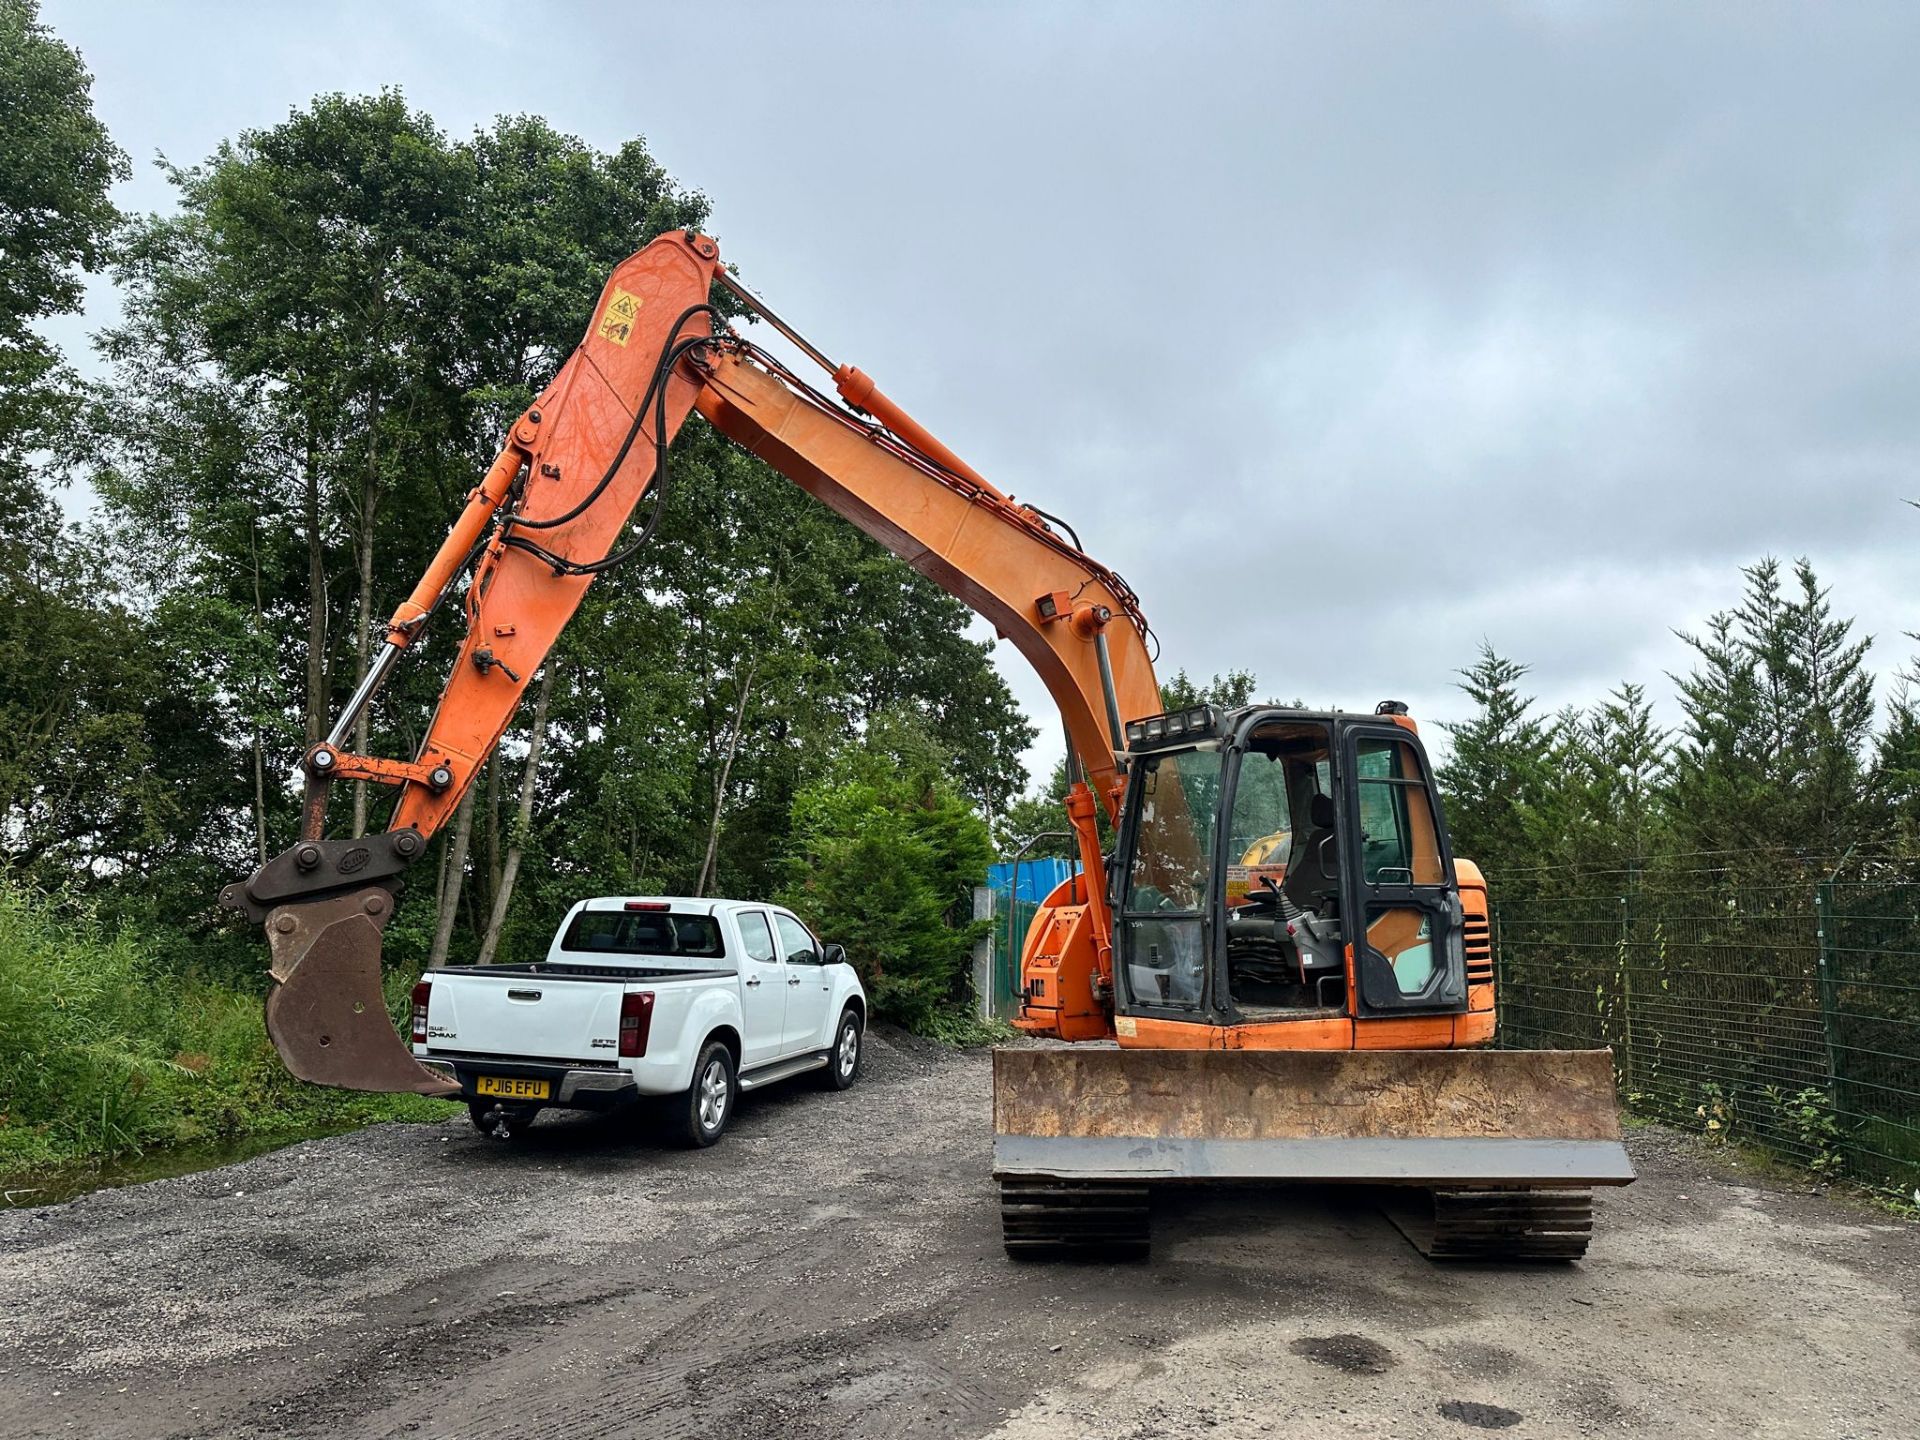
{"x": 510, "y": 869}
{"x": 259, "y": 739}
{"x": 720, "y": 781}
{"x": 456, "y": 875}
{"x": 259, "y": 795}
{"x": 316, "y": 597}
{"x": 369, "y": 509}
{"x": 493, "y": 825}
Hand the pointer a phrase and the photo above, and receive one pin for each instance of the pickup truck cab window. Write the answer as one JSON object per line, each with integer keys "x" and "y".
{"x": 628, "y": 932}
{"x": 756, "y": 937}
{"x": 796, "y": 942}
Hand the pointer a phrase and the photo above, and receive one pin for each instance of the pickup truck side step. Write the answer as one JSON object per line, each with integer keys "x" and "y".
{"x": 784, "y": 1069}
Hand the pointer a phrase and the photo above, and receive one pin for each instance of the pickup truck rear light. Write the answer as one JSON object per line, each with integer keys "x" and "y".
{"x": 421, "y": 994}
{"x": 636, "y": 1020}
{"x": 648, "y": 905}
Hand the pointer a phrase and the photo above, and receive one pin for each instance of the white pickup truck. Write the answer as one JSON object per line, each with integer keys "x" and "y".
{"x": 645, "y": 996}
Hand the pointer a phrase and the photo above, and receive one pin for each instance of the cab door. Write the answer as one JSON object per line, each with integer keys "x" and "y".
{"x": 763, "y": 990}
{"x": 1408, "y": 951}
{"x": 809, "y": 987}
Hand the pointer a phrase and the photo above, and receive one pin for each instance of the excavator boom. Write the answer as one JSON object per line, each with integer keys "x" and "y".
{"x": 548, "y": 517}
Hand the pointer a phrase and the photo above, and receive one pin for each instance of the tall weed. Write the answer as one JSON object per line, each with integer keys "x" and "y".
{"x": 104, "y": 1051}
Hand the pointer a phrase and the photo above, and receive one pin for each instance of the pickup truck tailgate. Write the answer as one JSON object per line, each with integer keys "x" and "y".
{"x": 543, "y": 1017}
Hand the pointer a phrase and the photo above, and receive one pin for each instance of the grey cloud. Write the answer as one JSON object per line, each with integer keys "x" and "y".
{"x": 1350, "y": 334}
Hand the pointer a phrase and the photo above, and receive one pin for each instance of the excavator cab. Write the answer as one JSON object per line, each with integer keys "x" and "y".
{"x": 1256, "y": 847}
{"x": 1301, "y": 978}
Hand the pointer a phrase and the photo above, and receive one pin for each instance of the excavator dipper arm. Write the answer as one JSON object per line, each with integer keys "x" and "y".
{"x": 549, "y": 515}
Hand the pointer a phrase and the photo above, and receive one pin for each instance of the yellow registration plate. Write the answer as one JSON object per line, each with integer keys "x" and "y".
{"x": 511, "y": 1088}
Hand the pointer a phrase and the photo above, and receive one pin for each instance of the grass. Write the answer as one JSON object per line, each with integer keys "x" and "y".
{"x": 103, "y": 1054}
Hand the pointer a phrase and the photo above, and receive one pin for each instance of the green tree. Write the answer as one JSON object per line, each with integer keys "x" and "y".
{"x": 1228, "y": 692}
{"x": 1779, "y": 712}
{"x": 319, "y": 350}
{"x": 1497, "y": 780}
{"x": 883, "y": 858}
{"x": 1603, "y": 807}
{"x": 322, "y": 347}
{"x": 94, "y": 709}
{"x": 1895, "y": 776}
{"x": 55, "y": 219}
{"x": 306, "y": 283}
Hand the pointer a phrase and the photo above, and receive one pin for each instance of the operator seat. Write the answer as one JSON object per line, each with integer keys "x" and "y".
{"x": 1313, "y": 875}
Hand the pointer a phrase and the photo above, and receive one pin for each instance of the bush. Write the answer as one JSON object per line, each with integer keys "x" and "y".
{"x": 884, "y": 859}
{"x": 104, "y": 1052}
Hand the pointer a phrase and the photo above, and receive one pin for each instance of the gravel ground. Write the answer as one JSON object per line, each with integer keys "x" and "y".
{"x": 833, "y": 1268}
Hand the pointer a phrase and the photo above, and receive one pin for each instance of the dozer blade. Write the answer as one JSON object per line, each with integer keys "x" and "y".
{"x": 1455, "y": 1122}
{"x": 328, "y": 1015}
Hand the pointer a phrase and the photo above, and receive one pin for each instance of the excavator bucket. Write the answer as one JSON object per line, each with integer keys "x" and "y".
{"x": 327, "y": 1013}
{"x": 1492, "y": 1153}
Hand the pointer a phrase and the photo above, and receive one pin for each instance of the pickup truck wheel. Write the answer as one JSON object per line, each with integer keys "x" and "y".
{"x": 843, "y": 1061}
{"x": 708, "y": 1106}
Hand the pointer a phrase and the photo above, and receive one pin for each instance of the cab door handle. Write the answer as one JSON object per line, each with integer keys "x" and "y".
{"x": 754, "y": 981}
{"x": 793, "y": 980}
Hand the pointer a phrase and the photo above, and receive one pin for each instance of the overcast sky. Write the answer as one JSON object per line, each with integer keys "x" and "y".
{"x": 1351, "y": 334}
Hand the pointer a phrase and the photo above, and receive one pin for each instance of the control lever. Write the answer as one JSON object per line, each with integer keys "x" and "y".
{"x": 1304, "y": 928}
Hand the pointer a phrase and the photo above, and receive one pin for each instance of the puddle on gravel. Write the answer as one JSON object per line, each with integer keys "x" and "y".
{"x": 1481, "y": 1417}
{"x": 1355, "y": 1354}
{"x": 69, "y": 1182}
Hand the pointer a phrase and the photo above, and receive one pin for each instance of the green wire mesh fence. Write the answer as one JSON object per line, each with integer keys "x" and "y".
{"x": 1007, "y": 939}
{"x": 1784, "y": 1013}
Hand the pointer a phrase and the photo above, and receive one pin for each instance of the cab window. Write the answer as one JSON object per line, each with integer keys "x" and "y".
{"x": 1172, "y": 865}
{"x": 1398, "y": 842}
{"x": 624, "y": 932}
{"x": 795, "y": 942}
{"x": 1260, "y": 831}
{"x": 757, "y": 937}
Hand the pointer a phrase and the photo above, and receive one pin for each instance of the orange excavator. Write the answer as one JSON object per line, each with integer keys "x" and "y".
{"x": 1286, "y": 972}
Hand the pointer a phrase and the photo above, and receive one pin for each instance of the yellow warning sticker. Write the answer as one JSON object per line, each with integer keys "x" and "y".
{"x": 1123, "y": 1025}
{"x": 617, "y": 323}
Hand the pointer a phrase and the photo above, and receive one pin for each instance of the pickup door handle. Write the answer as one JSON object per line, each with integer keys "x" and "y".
{"x": 793, "y": 980}
{"x": 754, "y": 981}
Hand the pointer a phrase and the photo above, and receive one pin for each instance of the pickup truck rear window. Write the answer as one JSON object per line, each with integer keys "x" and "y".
{"x": 619, "y": 932}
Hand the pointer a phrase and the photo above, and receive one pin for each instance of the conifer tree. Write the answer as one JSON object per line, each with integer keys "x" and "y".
{"x": 1498, "y": 778}
{"x": 1779, "y": 710}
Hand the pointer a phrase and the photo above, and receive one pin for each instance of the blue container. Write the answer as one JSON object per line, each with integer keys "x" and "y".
{"x": 1038, "y": 877}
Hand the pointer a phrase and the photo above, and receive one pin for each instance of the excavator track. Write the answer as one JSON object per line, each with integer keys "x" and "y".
{"x": 1045, "y": 1219}
{"x": 1495, "y": 1223}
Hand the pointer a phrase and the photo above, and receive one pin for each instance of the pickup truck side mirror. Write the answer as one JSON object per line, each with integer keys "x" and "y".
{"x": 833, "y": 955}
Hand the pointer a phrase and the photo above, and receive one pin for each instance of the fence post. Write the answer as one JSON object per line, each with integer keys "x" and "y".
{"x": 986, "y": 992}
{"x": 1626, "y": 988}
{"x": 1823, "y": 934}
{"x": 1501, "y": 996}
